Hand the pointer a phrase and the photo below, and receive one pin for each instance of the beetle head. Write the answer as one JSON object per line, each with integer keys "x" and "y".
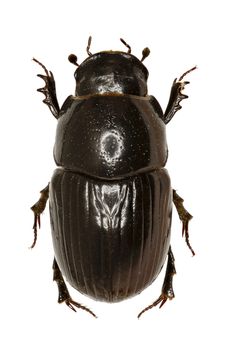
{"x": 111, "y": 72}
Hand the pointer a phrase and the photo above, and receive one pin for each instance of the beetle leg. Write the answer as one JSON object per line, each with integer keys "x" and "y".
{"x": 49, "y": 90}
{"x": 38, "y": 209}
{"x": 184, "y": 216}
{"x": 167, "y": 288}
{"x": 64, "y": 295}
{"x": 176, "y": 96}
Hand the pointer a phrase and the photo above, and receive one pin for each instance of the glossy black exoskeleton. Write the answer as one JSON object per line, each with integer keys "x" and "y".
{"x": 110, "y": 196}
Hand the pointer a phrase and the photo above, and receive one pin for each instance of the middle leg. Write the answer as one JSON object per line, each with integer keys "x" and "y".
{"x": 184, "y": 216}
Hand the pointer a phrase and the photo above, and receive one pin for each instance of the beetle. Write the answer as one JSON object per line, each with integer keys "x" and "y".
{"x": 110, "y": 197}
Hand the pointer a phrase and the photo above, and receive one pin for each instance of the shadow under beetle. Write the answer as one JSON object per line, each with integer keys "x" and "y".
{"x": 110, "y": 197}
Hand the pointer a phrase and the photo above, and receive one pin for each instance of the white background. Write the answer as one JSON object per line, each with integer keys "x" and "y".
{"x": 180, "y": 34}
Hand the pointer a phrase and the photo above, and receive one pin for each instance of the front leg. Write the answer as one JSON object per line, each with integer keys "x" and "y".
{"x": 49, "y": 90}
{"x": 176, "y": 96}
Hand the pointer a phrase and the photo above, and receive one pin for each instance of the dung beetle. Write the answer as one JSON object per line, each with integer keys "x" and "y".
{"x": 110, "y": 196}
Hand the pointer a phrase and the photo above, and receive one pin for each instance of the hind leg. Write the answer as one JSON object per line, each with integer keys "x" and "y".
{"x": 64, "y": 296}
{"x": 167, "y": 288}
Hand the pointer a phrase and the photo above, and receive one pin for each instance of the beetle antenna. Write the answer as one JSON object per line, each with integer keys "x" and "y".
{"x": 88, "y": 46}
{"x": 145, "y": 53}
{"x": 73, "y": 59}
{"x": 129, "y": 48}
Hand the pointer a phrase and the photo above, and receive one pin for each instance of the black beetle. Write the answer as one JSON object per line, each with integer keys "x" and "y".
{"x": 110, "y": 196}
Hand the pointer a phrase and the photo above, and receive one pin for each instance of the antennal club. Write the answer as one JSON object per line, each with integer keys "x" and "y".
{"x": 145, "y": 53}
{"x": 129, "y": 48}
{"x": 73, "y": 59}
